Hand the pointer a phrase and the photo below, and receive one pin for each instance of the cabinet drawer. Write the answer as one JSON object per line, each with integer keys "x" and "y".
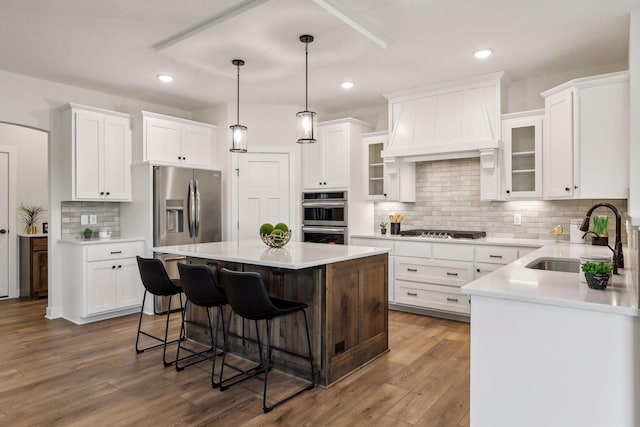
{"x": 446, "y": 301}
{"x": 108, "y": 251}
{"x": 482, "y": 269}
{"x": 415, "y": 249}
{"x": 496, "y": 254}
{"x": 40, "y": 244}
{"x": 448, "y": 273}
{"x": 376, "y": 243}
{"x": 453, "y": 252}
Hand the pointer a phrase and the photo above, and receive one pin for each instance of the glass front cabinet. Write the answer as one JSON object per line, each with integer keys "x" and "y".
{"x": 374, "y": 143}
{"x": 522, "y": 138}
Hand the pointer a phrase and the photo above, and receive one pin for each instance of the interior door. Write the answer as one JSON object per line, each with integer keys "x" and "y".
{"x": 4, "y": 224}
{"x": 264, "y": 189}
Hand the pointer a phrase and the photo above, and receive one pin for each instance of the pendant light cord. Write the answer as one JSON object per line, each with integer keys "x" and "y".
{"x": 238, "y": 98}
{"x": 306, "y": 76}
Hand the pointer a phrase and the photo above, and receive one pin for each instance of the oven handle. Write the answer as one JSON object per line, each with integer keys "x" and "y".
{"x": 324, "y": 204}
{"x": 332, "y": 230}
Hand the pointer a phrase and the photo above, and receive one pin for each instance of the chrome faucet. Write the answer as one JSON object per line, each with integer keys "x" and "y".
{"x": 618, "y": 257}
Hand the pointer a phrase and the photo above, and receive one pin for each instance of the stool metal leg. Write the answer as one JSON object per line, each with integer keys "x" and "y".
{"x": 201, "y": 355}
{"x": 163, "y": 341}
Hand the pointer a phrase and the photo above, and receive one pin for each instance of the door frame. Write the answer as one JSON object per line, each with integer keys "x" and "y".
{"x": 14, "y": 286}
{"x": 235, "y": 193}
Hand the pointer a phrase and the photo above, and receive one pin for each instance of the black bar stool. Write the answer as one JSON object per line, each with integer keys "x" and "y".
{"x": 156, "y": 281}
{"x": 248, "y": 297}
{"x": 201, "y": 290}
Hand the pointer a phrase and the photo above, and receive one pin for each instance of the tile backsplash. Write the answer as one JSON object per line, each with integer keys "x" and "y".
{"x": 448, "y": 197}
{"x": 108, "y": 215}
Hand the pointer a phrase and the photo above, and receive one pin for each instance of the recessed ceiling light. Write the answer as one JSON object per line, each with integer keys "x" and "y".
{"x": 346, "y": 85}
{"x": 165, "y": 78}
{"x": 483, "y": 53}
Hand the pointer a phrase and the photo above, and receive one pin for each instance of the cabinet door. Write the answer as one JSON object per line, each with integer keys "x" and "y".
{"x": 197, "y": 145}
{"x": 40, "y": 273}
{"x": 558, "y": 145}
{"x": 129, "y": 288}
{"x": 162, "y": 139}
{"x": 374, "y": 167}
{"x": 100, "y": 286}
{"x": 523, "y": 157}
{"x": 88, "y": 143}
{"x": 335, "y": 155}
{"x": 312, "y": 177}
{"x": 117, "y": 159}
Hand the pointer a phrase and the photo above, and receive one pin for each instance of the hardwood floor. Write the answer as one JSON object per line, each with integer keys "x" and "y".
{"x": 55, "y": 373}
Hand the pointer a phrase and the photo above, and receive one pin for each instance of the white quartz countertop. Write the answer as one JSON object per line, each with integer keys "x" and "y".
{"x": 294, "y": 256}
{"x": 97, "y": 241}
{"x": 516, "y": 282}
{"x": 529, "y": 243}
{"x": 33, "y": 235}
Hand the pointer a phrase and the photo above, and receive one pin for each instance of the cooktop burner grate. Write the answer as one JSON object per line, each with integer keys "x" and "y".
{"x": 445, "y": 234}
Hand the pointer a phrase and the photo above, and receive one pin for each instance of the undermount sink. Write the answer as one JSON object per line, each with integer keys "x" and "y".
{"x": 555, "y": 264}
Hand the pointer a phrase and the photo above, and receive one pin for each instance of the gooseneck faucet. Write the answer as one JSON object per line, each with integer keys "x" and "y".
{"x": 618, "y": 258}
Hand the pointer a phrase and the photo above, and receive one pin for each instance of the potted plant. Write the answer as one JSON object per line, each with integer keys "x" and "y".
{"x": 30, "y": 215}
{"x": 597, "y": 275}
{"x": 383, "y": 227}
{"x": 87, "y": 233}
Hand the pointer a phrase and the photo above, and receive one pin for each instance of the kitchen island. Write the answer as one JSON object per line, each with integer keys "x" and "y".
{"x": 548, "y": 350}
{"x": 344, "y": 286}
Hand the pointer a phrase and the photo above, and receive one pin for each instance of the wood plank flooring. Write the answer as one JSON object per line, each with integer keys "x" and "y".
{"x": 55, "y": 373}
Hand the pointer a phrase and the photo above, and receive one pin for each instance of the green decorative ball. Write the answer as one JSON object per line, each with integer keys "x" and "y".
{"x": 281, "y": 226}
{"x": 266, "y": 228}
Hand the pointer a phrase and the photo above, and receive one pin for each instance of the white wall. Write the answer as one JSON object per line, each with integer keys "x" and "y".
{"x": 634, "y": 113}
{"x": 32, "y": 147}
{"x": 37, "y": 103}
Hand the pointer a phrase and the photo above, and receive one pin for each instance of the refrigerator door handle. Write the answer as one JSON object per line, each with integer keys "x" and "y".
{"x": 197, "y": 215}
{"x": 191, "y": 205}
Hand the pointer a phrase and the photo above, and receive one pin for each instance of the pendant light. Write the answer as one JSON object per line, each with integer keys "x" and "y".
{"x": 238, "y": 132}
{"x": 306, "y": 127}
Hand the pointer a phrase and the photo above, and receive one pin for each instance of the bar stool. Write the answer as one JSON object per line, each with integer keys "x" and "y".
{"x": 248, "y": 297}
{"x": 156, "y": 281}
{"x": 201, "y": 290}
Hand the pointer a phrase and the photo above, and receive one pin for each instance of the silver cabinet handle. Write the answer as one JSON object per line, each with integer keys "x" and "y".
{"x": 412, "y": 269}
{"x": 451, "y": 274}
{"x": 413, "y": 294}
{"x": 495, "y": 256}
{"x": 452, "y": 299}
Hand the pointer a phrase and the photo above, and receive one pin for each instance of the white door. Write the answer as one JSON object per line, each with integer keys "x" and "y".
{"x": 263, "y": 189}
{"x": 4, "y": 224}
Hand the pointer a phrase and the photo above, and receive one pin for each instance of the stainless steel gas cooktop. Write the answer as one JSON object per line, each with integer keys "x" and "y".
{"x": 444, "y": 234}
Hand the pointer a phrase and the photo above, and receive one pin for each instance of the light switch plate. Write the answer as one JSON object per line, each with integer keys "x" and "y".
{"x": 84, "y": 219}
{"x": 93, "y": 219}
{"x": 517, "y": 219}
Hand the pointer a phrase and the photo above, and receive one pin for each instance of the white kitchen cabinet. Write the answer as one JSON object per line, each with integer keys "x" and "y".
{"x": 522, "y": 138}
{"x": 166, "y": 140}
{"x": 97, "y": 154}
{"x": 102, "y": 280}
{"x": 329, "y": 163}
{"x": 586, "y": 138}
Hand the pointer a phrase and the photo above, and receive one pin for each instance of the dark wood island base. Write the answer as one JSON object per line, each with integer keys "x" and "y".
{"x": 348, "y": 317}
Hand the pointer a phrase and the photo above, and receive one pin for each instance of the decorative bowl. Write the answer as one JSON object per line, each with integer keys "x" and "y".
{"x": 597, "y": 281}
{"x": 276, "y": 240}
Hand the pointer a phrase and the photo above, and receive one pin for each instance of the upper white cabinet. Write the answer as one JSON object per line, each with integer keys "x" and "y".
{"x": 97, "y": 154}
{"x": 169, "y": 140}
{"x": 445, "y": 120}
{"x": 522, "y": 138}
{"x": 586, "y": 138}
{"x": 328, "y": 163}
{"x": 386, "y": 179}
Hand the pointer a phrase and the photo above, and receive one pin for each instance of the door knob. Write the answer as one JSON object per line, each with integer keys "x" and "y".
{"x": 3, "y": 231}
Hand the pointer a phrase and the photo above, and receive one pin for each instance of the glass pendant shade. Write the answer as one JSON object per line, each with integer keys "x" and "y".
{"x": 306, "y": 127}
{"x": 239, "y": 139}
{"x": 238, "y": 132}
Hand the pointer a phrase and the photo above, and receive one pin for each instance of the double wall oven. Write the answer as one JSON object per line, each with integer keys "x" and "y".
{"x": 324, "y": 217}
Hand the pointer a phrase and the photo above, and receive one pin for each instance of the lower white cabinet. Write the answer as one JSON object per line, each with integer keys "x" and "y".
{"x": 102, "y": 280}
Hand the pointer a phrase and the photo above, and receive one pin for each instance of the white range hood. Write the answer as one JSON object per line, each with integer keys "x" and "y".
{"x": 456, "y": 119}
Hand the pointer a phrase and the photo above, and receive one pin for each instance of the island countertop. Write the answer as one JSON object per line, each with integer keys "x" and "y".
{"x": 294, "y": 256}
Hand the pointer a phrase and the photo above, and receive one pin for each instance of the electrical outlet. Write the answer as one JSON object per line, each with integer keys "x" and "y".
{"x": 517, "y": 219}
{"x": 84, "y": 219}
{"x": 93, "y": 219}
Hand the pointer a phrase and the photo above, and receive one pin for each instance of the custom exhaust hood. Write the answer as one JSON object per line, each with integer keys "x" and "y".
{"x": 456, "y": 119}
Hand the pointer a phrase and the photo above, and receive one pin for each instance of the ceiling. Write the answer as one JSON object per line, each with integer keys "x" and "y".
{"x": 120, "y": 46}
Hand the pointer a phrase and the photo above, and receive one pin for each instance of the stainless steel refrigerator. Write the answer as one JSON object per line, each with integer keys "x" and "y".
{"x": 186, "y": 209}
